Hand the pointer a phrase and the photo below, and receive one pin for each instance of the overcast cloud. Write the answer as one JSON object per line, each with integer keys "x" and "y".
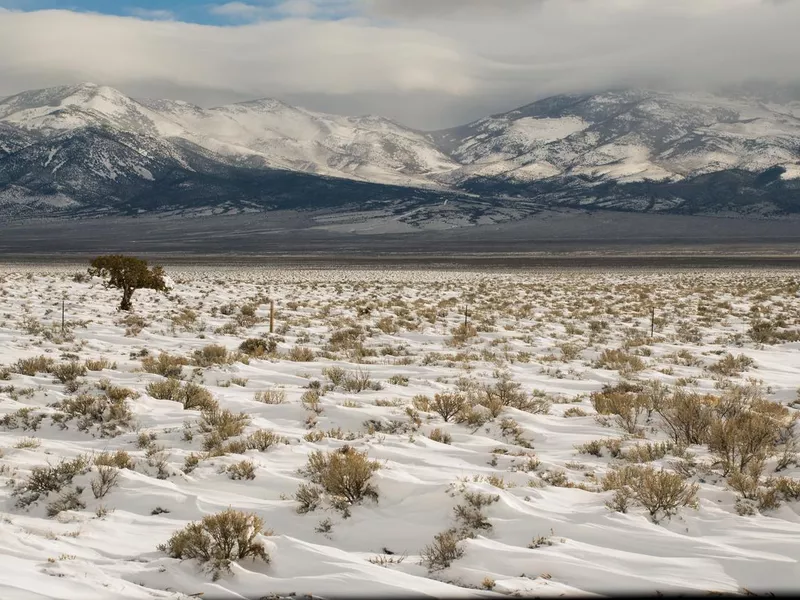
{"x": 426, "y": 63}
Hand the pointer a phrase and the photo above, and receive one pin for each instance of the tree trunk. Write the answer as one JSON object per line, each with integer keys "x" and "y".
{"x": 127, "y": 293}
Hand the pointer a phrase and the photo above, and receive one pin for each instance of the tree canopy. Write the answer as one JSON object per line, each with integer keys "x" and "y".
{"x": 128, "y": 274}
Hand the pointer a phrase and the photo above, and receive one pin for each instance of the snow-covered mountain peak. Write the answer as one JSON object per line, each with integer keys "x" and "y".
{"x": 260, "y": 104}
{"x": 564, "y": 147}
{"x": 82, "y": 105}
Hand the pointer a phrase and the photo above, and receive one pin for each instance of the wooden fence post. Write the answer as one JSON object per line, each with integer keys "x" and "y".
{"x": 652, "y": 320}
{"x": 271, "y": 316}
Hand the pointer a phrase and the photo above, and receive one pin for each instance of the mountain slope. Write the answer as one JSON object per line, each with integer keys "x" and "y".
{"x": 627, "y": 136}
{"x": 272, "y": 134}
{"x": 90, "y": 148}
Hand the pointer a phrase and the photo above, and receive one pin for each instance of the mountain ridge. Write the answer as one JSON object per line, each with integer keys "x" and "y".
{"x": 88, "y": 147}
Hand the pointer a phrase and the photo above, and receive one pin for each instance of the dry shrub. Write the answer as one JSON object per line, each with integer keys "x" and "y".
{"x": 257, "y": 347}
{"x": 619, "y": 360}
{"x": 751, "y": 435}
{"x": 625, "y": 401}
{"x": 165, "y": 365}
{"x": 99, "y": 364}
{"x": 575, "y": 411}
{"x": 346, "y": 338}
{"x": 421, "y": 402}
{"x": 470, "y": 516}
{"x": 190, "y": 462}
{"x": 169, "y": 389}
{"x": 595, "y": 447}
{"x": 26, "y": 443}
{"x": 212, "y": 355}
{"x": 387, "y": 325}
{"x": 473, "y": 416}
{"x": 245, "y": 469}
{"x": 570, "y": 351}
{"x": 111, "y": 416}
{"x": 25, "y": 418}
{"x": 185, "y": 320}
{"x": 271, "y": 396}
{"x": 766, "y": 332}
{"x": 441, "y": 553}
{"x": 247, "y": 316}
{"x": 739, "y": 427}
{"x": 221, "y": 425}
{"x": 219, "y": 540}
{"x": 119, "y": 459}
{"x": 685, "y": 358}
{"x": 68, "y": 371}
{"x": 687, "y": 416}
{"x": 115, "y": 392}
{"x": 448, "y": 405}
{"x": 661, "y": 493}
{"x": 309, "y": 497}
{"x": 642, "y": 453}
{"x": 461, "y": 334}
{"x": 263, "y": 439}
{"x": 133, "y": 324}
{"x": 336, "y": 375}
{"x": 437, "y": 435}
{"x": 787, "y": 487}
{"x": 398, "y": 380}
{"x": 67, "y": 500}
{"x": 344, "y": 474}
{"x": 507, "y": 392}
{"x": 311, "y": 401}
{"x": 43, "y": 480}
{"x": 191, "y": 395}
{"x": 358, "y": 381}
{"x": 32, "y": 366}
{"x": 300, "y": 354}
{"x": 748, "y": 481}
{"x": 731, "y": 365}
{"x": 107, "y": 479}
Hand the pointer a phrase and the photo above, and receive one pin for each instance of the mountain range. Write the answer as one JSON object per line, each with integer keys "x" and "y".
{"x": 91, "y": 150}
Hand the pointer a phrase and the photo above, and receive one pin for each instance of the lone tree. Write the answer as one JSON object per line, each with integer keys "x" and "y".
{"x": 128, "y": 274}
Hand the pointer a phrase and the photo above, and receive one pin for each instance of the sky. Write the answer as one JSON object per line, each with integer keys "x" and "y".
{"x": 426, "y": 63}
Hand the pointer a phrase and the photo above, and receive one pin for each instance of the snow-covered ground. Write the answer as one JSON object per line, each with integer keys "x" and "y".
{"x": 548, "y": 533}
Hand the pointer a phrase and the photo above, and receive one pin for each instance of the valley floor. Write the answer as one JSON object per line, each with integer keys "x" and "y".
{"x": 529, "y": 433}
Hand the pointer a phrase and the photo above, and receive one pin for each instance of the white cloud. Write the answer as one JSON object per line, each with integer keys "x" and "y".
{"x": 259, "y": 10}
{"x": 239, "y": 10}
{"x": 277, "y": 57}
{"x": 155, "y": 15}
{"x": 425, "y": 62}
